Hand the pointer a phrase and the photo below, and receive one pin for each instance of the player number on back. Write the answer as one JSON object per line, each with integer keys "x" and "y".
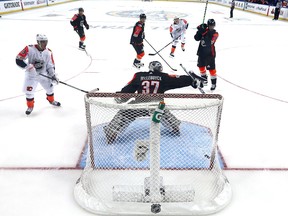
{"x": 146, "y": 85}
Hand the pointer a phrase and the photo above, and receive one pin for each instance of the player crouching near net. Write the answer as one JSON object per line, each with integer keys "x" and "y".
{"x": 78, "y": 21}
{"x": 177, "y": 32}
{"x": 206, "y": 52}
{"x": 40, "y": 61}
{"x": 152, "y": 82}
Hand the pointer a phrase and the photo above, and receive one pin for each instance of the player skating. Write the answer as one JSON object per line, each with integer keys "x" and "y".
{"x": 206, "y": 52}
{"x": 152, "y": 82}
{"x": 177, "y": 32}
{"x": 78, "y": 22}
{"x": 137, "y": 40}
{"x": 39, "y": 61}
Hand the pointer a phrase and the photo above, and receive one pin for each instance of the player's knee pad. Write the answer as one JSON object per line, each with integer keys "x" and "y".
{"x": 202, "y": 70}
{"x": 212, "y": 72}
{"x": 83, "y": 38}
{"x": 140, "y": 56}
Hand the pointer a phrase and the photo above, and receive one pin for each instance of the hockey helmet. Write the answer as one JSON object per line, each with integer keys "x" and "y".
{"x": 142, "y": 16}
{"x": 211, "y": 22}
{"x": 42, "y": 40}
{"x": 80, "y": 10}
{"x": 155, "y": 66}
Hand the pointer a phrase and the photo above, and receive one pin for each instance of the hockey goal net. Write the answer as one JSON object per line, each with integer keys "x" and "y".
{"x": 146, "y": 157}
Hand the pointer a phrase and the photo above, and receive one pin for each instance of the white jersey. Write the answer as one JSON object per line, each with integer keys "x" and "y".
{"x": 42, "y": 60}
{"x": 176, "y": 30}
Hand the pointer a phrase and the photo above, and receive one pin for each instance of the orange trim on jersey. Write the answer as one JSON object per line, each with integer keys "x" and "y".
{"x": 24, "y": 52}
{"x": 171, "y": 29}
{"x": 74, "y": 17}
{"x": 212, "y": 72}
{"x": 202, "y": 70}
{"x": 138, "y": 29}
{"x": 185, "y": 21}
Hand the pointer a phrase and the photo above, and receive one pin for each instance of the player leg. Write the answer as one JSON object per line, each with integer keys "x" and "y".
{"x": 170, "y": 121}
{"x": 29, "y": 88}
{"x": 201, "y": 64}
{"x": 173, "y": 48}
{"x": 82, "y": 39}
{"x": 49, "y": 88}
{"x": 120, "y": 122}
{"x": 183, "y": 40}
{"x": 139, "y": 48}
{"x": 212, "y": 70}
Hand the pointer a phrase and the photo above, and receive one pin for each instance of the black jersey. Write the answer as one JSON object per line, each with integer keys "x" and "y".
{"x": 155, "y": 82}
{"x": 207, "y": 40}
{"x": 78, "y": 21}
{"x": 138, "y": 33}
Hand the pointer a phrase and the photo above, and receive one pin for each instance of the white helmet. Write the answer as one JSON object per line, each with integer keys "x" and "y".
{"x": 42, "y": 37}
{"x": 155, "y": 66}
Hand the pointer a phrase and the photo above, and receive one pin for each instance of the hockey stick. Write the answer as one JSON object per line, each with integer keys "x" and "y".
{"x": 160, "y": 55}
{"x": 194, "y": 77}
{"x": 205, "y": 11}
{"x": 152, "y": 54}
{"x": 97, "y": 89}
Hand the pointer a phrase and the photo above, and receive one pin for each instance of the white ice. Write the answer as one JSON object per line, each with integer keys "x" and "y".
{"x": 39, "y": 153}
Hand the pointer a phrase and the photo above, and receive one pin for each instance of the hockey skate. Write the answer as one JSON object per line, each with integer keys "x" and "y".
{"x": 204, "y": 83}
{"x": 213, "y": 87}
{"x": 55, "y": 103}
{"x": 82, "y": 47}
{"x": 172, "y": 55}
{"x": 29, "y": 110}
{"x": 138, "y": 65}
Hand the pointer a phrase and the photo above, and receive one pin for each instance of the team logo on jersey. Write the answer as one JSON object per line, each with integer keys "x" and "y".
{"x": 29, "y": 88}
{"x": 151, "y": 15}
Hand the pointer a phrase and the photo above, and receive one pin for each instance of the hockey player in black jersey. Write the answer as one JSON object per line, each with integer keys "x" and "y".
{"x": 78, "y": 22}
{"x": 137, "y": 40}
{"x": 152, "y": 82}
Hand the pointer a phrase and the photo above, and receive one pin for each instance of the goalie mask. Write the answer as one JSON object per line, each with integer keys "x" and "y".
{"x": 155, "y": 66}
{"x": 42, "y": 41}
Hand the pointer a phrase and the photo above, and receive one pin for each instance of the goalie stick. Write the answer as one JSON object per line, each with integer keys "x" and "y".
{"x": 195, "y": 77}
{"x": 97, "y": 89}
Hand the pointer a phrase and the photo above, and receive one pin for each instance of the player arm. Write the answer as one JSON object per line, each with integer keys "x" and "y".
{"x": 73, "y": 21}
{"x": 50, "y": 64}
{"x": 214, "y": 37}
{"x": 85, "y": 23}
{"x": 21, "y": 57}
{"x": 175, "y": 81}
{"x": 137, "y": 31}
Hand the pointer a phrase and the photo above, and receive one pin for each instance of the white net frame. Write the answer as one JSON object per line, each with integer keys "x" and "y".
{"x": 160, "y": 186}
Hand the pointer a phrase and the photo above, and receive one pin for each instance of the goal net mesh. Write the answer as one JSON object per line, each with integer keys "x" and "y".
{"x": 136, "y": 166}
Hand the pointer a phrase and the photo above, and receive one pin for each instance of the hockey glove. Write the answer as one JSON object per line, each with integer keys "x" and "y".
{"x": 87, "y": 27}
{"x": 55, "y": 79}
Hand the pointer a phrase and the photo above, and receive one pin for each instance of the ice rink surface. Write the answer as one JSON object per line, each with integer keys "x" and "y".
{"x": 39, "y": 153}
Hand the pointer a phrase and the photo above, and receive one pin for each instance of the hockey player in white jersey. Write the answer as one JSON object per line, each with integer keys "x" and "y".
{"x": 177, "y": 32}
{"x": 39, "y": 60}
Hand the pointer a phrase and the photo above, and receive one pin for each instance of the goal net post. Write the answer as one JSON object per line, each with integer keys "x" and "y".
{"x": 152, "y": 154}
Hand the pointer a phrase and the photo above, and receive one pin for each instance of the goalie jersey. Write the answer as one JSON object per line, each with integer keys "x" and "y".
{"x": 155, "y": 82}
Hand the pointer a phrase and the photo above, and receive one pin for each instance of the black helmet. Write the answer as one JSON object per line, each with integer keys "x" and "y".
{"x": 142, "y": 16}
{"x": 211, "y": 22}
{"x": 155, "y": 66}
{"x": 81, "y": 9}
